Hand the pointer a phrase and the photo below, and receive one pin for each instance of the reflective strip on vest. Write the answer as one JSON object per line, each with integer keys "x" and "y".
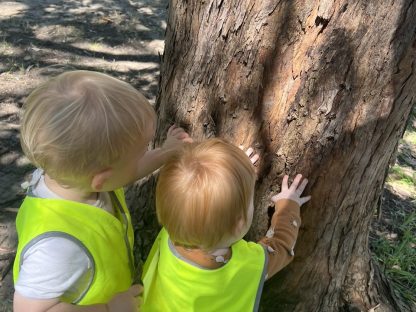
{"x": 171, "y": 284}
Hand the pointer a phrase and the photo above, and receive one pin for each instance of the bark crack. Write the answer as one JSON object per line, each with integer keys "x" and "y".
{"x": 321, "y": 21}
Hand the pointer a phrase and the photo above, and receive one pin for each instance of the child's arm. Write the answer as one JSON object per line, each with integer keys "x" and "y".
{"x": 281, "y": 237}
{"x": 154, "y": 159}
{"x": 127, "y": 301}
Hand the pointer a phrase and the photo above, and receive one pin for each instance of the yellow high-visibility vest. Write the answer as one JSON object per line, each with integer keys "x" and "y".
{"x": 172, "y": 284}
{"x": 106, "y": 239}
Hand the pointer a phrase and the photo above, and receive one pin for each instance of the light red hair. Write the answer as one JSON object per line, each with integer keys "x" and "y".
{"x": 204, "y": 192}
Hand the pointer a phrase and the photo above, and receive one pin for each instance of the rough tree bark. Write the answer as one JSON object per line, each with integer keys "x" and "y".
{"x": 318, "y": 87}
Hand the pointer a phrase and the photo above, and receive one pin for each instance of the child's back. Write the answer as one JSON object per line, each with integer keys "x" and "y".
{"x": 199, "y": 262}
{"x": 88, "y": 134}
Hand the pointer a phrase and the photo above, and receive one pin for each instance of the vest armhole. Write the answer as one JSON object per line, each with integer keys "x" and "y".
{"x": 75, "y": 241}
{"x": 262, "y": 280}
{"x": 123, "y": 214}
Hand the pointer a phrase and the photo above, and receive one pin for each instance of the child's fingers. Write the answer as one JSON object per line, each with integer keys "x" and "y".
{"x": 295, "y": 182}
{"x": 188, "y": 140}
{"x": 303, "y": 200}
{"x": 254, "y": 158}
{"x": 177, "y": 130}
{"x": 181, "y": 135}
{"x": 135, "y": 290}
{"x": 249, "y": 151}
{"x": 171, "y": 128}
{"x": 302, "y": 186}
{"x": 284, "y": 182}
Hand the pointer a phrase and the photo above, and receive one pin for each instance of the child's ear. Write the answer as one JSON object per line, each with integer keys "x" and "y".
{"x": 241, "y": 224}
{"x": 100, "y": 178}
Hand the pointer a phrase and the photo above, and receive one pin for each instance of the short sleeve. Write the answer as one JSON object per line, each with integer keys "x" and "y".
{"x": 54, "y": 267}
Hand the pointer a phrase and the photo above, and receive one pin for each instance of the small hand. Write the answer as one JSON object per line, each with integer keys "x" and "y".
{"x": 294, "y": 191}
{"x": 176, "y": 136}
{"x": 128, "y": 301}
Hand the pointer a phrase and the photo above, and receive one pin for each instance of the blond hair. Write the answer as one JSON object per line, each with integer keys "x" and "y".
{"x": 82, "y": 121}
{"x": 204, "y": 192}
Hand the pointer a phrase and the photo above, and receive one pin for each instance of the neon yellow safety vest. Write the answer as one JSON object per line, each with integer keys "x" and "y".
{"x": 172, "y": 284}
{"x": 106, "y": 239}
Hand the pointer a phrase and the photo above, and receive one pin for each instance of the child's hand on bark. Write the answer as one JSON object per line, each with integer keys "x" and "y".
{"x": 175, "y": 138}
{"x": 293, "y": 192}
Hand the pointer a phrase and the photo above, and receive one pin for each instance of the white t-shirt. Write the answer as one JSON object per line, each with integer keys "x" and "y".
{"x": 55, "y": 266}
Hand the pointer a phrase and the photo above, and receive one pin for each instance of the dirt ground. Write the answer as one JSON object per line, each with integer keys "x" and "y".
{"x": 124, "y": 38}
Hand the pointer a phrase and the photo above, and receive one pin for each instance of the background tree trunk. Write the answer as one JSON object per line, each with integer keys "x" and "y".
{"x": 318, "y": 87}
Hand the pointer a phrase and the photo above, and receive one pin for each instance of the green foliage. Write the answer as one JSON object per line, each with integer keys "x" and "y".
{"x": 398, "y": 257}
{"x": 398, "y": 173}
{"x": 394, "y": 245}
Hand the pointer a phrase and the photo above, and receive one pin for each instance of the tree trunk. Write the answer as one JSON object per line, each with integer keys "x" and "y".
{"x": 318, "y": 87}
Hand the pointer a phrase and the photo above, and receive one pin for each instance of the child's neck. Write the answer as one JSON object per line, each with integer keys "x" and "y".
{"x": 204, "y": 258}
{"x": 69, "y": 193}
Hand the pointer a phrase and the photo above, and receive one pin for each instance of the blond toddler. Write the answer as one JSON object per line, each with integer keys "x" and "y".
{"x": 88, "y": 135}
